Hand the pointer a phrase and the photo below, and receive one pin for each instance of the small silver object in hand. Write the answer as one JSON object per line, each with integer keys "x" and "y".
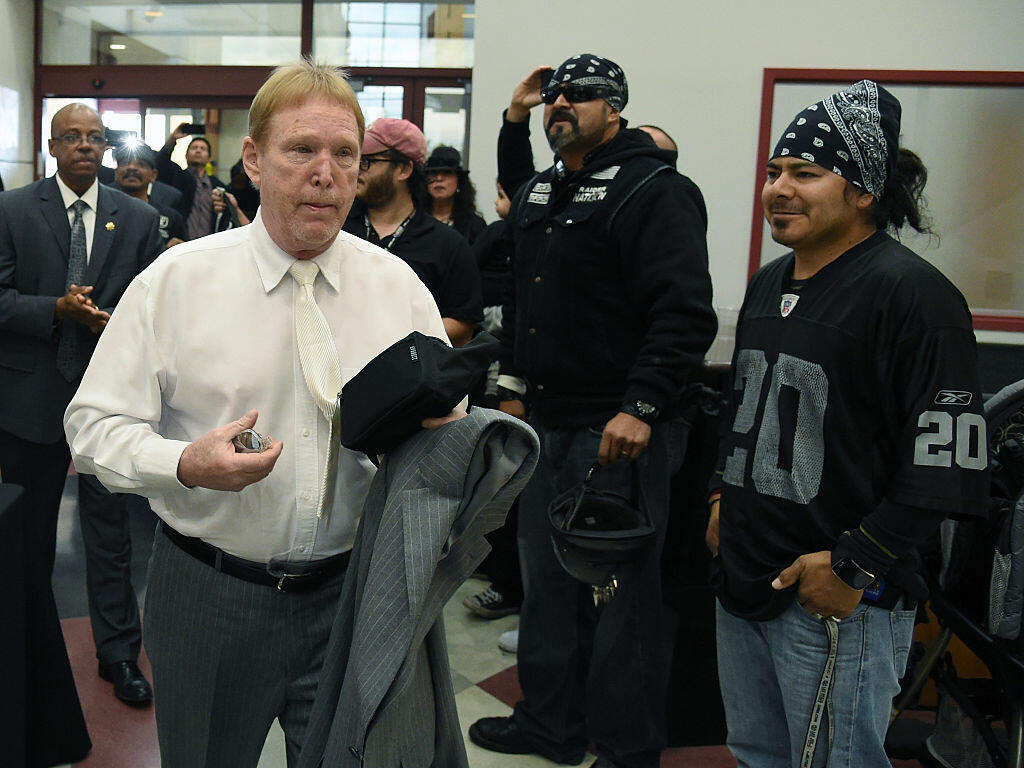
{"x": 250, "y": 441}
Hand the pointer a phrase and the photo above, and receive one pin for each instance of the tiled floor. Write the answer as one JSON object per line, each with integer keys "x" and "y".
{"x": 125, "y": 737}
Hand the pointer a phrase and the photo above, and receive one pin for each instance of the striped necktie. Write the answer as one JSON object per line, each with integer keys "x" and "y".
{"x": 320, "y": 367}
{"x": 69, "y": 358}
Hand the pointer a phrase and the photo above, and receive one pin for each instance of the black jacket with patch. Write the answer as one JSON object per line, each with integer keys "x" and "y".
{"x": 612, "y": 296}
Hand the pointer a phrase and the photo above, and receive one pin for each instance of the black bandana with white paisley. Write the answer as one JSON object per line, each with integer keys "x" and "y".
{"x": 589, "y": 69}
{"x": 853, "y": 133}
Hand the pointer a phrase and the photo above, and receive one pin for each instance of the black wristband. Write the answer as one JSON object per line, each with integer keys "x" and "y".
{"x": 638, "y": 409}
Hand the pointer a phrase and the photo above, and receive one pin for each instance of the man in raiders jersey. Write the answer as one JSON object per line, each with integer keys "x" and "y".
{"x": 856, "y": 428}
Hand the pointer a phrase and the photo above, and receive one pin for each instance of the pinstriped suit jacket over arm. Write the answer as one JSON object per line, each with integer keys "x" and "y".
{"x": 385, "y": 698}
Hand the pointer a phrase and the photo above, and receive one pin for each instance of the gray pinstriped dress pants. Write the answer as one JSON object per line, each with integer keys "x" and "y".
{"x": 228, "y": 657}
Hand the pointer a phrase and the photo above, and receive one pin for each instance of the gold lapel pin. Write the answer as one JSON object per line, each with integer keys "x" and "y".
{"x": 110, "y": 226}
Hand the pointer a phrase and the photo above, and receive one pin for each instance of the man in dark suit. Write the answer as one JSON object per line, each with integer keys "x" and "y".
{"x": 160, "y": 195}
{"x": 69, "y": 247}
{"x": 136, "y": 172}
{"x": 164, "y": 195}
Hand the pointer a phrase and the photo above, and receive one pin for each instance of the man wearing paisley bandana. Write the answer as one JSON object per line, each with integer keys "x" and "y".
{"x": 610, "y": 313}
{"x": 856, "y": 428}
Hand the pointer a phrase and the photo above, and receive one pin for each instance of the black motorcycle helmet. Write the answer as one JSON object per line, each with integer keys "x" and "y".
{"x": 600, "y": 536}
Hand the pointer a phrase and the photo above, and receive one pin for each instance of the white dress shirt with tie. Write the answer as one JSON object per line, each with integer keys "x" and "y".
{"x": 207, "y": 333}
{"x": 90, "y": 198}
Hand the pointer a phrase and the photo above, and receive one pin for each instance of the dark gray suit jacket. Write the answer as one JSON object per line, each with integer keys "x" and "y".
{"x": 385, "y": 697}
{"x": 35, "y": 238}
{"x": 160, "y": 194}
{"x": 164, "y": 195}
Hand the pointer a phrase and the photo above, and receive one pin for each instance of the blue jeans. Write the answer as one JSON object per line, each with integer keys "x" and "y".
{"x": 589, "y": 674}
{"x": 770, "y": 673}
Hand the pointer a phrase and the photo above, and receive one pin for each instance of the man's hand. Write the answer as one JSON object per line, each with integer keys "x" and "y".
{"x": 624, "y": 437}
{"x": 77, "y": 306}
{"x": 820, "y": 590}
{"x": 211, "y": 461}
{"x": 242, "y": 218}
{"x": 217, "y": 196}
{"x": 432, "y": 422}
{"x": 513, "y": 408}
{"x": 173, "y": 242}
{"x": 526, "y": 94}
{"x": 176, "y": 134}
{"x": 711, "y": 535}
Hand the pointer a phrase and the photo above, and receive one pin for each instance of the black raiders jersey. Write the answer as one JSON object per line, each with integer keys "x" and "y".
{"x": 861, "y": 387}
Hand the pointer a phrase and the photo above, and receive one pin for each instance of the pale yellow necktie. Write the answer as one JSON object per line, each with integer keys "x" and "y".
{"x": 320, "y": 367}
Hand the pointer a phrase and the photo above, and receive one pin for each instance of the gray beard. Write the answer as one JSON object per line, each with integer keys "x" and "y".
{"x": 563, "y": 139}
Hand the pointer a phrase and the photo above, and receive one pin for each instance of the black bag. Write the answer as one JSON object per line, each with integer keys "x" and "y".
{"x": 413, "y": 379}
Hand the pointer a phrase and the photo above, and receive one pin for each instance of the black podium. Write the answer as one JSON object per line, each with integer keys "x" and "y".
{"x": 41, "y": 721}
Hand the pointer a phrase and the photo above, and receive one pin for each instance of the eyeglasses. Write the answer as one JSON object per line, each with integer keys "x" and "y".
{"x": 365, "y": 162}
{"x": 73, "y": 139}
{"x": 574, "y": 94}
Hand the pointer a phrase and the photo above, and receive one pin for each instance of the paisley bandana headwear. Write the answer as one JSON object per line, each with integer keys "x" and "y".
{"x": 853, "y": 133}
{"x": 588, "y": 69}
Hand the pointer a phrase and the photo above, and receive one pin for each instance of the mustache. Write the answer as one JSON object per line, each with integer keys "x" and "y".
{"x": 562, "y": 114}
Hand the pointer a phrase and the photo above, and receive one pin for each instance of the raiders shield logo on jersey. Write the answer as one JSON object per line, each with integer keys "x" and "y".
{"x": 789, "y": 301}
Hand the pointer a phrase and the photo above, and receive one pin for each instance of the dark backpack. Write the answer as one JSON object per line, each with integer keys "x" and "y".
{"x": 983, "y": 572}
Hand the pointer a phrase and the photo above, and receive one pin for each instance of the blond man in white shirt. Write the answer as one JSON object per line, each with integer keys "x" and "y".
{"x": 252, "y": 555}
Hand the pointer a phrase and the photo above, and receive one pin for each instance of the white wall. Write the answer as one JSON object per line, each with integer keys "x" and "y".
{"x": 695, "y": 69}
{"x": 16, "y": 41}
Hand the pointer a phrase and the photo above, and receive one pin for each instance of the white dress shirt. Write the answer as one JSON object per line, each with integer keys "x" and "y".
{"x": 90, "y": 198}
{"x": 206, "y": 334}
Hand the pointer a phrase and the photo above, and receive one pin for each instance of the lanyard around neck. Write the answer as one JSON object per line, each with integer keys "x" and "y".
{"x": 394, "y": 235}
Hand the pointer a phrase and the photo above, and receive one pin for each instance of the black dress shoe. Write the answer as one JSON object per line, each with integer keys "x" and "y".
{"x": 502, "y": 734}
{"x": 129, "y": 683}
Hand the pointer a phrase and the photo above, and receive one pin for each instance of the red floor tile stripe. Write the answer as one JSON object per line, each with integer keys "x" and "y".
{"x": 123, "y": 736}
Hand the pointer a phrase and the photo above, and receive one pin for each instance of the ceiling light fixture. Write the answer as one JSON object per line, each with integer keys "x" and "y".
{"x": 117, "y": 46}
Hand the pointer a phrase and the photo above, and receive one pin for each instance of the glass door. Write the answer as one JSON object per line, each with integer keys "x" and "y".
{"x": 446, "y": 117}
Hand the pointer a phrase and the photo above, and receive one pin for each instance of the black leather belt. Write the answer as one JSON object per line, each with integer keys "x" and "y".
{"x": 312, "y": 576}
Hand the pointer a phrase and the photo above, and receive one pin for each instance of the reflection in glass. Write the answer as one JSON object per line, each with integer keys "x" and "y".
{"x": 975, "y": 198}
{"x": 394, "y": 34}
{"x": 214, "y": 32}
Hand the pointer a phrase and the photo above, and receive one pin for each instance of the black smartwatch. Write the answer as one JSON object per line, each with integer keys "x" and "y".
{"x": 851, "y": 574}
{"x": 641, "y": 410}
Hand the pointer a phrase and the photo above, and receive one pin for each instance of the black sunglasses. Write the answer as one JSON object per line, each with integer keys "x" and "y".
{"x": 574, "y": 94}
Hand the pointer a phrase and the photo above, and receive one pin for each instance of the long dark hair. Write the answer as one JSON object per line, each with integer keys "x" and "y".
{"x": 902, "y": 199}
{"x": 417, "y": 181}
{"x": 464, "y": 202}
